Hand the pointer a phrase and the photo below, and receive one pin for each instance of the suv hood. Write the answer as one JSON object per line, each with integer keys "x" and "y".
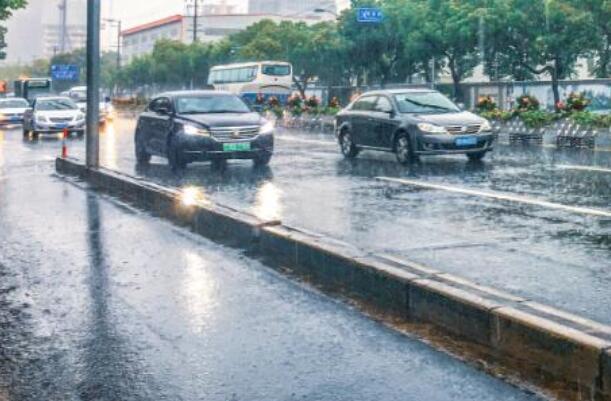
{"x": 450, "y": 119}
{"x": 224, "y": 119}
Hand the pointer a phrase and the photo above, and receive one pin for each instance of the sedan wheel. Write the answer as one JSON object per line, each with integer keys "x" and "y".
{"x": 349, "y": 149}
{"x": 403, "y": 150}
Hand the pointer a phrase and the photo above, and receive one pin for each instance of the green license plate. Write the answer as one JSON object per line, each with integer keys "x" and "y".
{"x": 236, "y": 147}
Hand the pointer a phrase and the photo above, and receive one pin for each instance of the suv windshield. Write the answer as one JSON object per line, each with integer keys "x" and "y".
{"x": 424, "y": 102}
{"x": 13, "y": 104}
{"x": 55, "y": 104}
{"x": 278, "y": 70}
{"x": 210, "y": 104}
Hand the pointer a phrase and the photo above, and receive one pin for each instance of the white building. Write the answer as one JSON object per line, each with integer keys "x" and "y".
{"x": 37, "y": 31}
{"x": 140, "y": 40}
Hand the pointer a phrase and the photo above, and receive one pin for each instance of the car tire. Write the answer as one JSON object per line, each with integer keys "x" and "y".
{"x": 476, "y": 157}
{"x": 403, "y": 149}
{"x": 263, "y": 159}
{"x": 175, "y": 159}
{"x": 26, "y": 133}
{"x": 142, "y": 156}
{"x": 347, "y": 146}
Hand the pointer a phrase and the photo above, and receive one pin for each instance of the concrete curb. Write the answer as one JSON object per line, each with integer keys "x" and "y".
{"x": 526, "y": 337}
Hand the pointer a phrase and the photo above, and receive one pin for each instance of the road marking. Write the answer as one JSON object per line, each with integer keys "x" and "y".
{"x": 500, "y": 196}
{"x": 584, "y": 168}
{"x": 310, "y": 141}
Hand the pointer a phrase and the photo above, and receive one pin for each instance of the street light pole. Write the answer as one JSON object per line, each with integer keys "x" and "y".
{"x": 93, "y": 83}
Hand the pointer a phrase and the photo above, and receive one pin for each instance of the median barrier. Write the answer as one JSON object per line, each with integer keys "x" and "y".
{"x": 550, "y": 347}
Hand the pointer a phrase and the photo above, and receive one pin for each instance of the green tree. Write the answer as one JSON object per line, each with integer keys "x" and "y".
{"x": 600, "y": 21}
{"x": 544, "y": 37}
{"x": 6, "y": 10}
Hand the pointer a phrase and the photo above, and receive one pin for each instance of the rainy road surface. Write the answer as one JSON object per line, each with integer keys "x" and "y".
{"x": 102, "y": 302}
{"x": 532, "y": 221}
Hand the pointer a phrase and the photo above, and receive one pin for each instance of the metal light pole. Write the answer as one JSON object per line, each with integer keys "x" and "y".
{"x": 118, "y": 24}
{"x": 93, "y": 83}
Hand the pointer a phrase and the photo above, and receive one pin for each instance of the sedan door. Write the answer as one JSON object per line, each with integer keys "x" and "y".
{"x": 362, "y": 119}
{"x": 384, "y": 123}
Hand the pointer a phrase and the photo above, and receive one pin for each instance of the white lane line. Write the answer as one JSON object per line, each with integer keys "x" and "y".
{"x": 309, "y": 141}
{"x": 500, "y": 196}
{"x": 584, "y": 168}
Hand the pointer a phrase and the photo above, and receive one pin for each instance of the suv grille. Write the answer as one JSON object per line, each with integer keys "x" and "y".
{"x": 234, "y": 133}
{"x": 60, "y": 119}
{"x": 461, "y": 130}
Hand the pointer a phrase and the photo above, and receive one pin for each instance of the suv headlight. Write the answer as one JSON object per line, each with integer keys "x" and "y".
{"x": 431, "y": 128}
{"x": 267, "y": 128}
{"x": 486, "y": 126}
{"x": 195, "y": 131}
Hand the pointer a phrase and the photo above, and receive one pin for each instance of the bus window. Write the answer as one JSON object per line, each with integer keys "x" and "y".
{"x": 252, "y": 73}
{"x": 234, "y": 75}
{"x": 276, "y": 70}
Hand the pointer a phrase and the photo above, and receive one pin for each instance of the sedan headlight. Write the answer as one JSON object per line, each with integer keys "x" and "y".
{"x": 80, "y": 117}
{"x": 195, "y": 131}
{"x": 431, "y": 128}
{"x": 486, "y": 126}
{"x": 267, "y": 128}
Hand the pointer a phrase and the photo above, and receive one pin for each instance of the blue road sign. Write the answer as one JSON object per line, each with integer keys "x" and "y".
{"x": 65, "y": 72}
{"x": 369, "y": 15}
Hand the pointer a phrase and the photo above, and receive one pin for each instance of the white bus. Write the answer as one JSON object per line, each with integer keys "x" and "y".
{"x": 268, "y": 78}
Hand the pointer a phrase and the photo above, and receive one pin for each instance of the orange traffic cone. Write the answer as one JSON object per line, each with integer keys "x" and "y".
{"x": 64, "y": 146}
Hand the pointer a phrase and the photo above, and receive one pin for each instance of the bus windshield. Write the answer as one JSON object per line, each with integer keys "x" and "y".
{"x": 276, "y": 70}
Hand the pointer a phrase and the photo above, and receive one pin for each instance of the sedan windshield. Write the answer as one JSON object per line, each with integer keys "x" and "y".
{"x": 424, "y": 102}
{"x": 210, "y": 104}
{"x": 13, "y": 104}
{"x": 56, "y": 104}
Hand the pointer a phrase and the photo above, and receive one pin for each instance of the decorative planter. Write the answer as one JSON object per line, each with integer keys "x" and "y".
{"x": 571, "y": 135}
{"x": 519, "y": 132}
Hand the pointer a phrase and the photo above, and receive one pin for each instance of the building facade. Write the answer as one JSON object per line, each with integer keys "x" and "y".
{"x": 140, "y": 40}
{"x": 291, "y": 7}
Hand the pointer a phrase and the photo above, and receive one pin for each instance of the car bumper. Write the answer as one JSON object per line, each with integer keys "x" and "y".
{"x": 54, "y": 128}
{"x": 202, "y": 149}
{"x": 10, "y": 121}
{"x": 448, "y": 144}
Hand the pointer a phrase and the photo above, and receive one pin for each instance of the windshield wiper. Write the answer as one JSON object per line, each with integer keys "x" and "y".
{"x": 431, "y": 106}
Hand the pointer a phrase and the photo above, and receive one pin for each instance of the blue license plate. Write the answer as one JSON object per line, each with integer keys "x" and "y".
{"x": 466, "y": 141}
{"x": 15, "y": 118}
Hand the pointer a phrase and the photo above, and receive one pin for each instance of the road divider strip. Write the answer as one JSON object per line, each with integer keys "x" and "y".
{"x": 584, "y": 168}
{"x": 499, "y": 196}
{"x": 550, "y": 347}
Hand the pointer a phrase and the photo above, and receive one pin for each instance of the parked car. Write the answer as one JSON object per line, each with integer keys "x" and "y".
{"x": 195, "y": 126}
{"x": 12, "y": 110}
{"x": 50, "y": 115}
{"x": 79, "y": 95}
{"x": 412, "y": 123}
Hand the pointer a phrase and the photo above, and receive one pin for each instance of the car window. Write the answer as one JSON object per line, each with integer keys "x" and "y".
{"x": 160, "y": 103}
{"x": 424, "y": 102}
{"x": 276, "y": 70}
{"x": 366, "y": 103}
{"x": 55, "y": 104}
{"x": 204, "y": 104}
{"x": 383, "y": 105}
{"x": 13, "y": 104}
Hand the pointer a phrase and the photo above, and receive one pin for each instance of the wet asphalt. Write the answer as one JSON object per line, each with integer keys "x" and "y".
{"x": 99, "y": 301}
{"x": 557, "y": 256}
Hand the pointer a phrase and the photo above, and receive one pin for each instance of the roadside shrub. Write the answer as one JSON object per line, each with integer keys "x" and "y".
{"x": 527, "y": 103}
{"x": 537, "y": 118}
{"x": 591, "y": 120}
{"x": 497, "y": 115}
{"x": 486, "y": 104}
{"x": 576, "y": 102}
{"x": 295, "y": 105}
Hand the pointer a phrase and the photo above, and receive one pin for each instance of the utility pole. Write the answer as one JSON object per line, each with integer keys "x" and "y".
{"x": 93, "y": 83}
{"x": 63, "y": 10}
{"x": 119, "y": 47}
{"x": 195, "y": 16}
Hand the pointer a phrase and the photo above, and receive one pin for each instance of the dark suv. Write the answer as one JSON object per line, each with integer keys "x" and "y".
{"x": 202, "y": 125}
{"x": 412, "y": 123}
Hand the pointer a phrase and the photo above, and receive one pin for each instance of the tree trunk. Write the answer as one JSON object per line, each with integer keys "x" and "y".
{"x": 458, "y": 96}
{"x": 555, "y": 85}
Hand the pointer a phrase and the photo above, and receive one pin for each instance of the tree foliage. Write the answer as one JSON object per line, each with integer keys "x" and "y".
{"x": 6, "y": 10}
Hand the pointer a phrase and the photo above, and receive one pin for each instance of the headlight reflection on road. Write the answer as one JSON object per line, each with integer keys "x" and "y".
{"x": 268, "y": 205}
{"x": 191, "y": 196}
{"x": 109, "y": 146}
{"x": 198, "y": 290}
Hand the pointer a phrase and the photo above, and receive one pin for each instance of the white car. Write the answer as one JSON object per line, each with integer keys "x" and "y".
{"x": 79, "y": 95}
{"x": 50, "y": 115}
{"x": 12, "y": 110}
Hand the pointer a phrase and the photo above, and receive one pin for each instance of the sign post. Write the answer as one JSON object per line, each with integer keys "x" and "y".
{"x": 369, "y": 15}
{"x": 93, "y": 83}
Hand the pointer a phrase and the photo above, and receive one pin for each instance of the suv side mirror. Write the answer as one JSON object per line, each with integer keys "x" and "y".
{"x": 163, "y": 110}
